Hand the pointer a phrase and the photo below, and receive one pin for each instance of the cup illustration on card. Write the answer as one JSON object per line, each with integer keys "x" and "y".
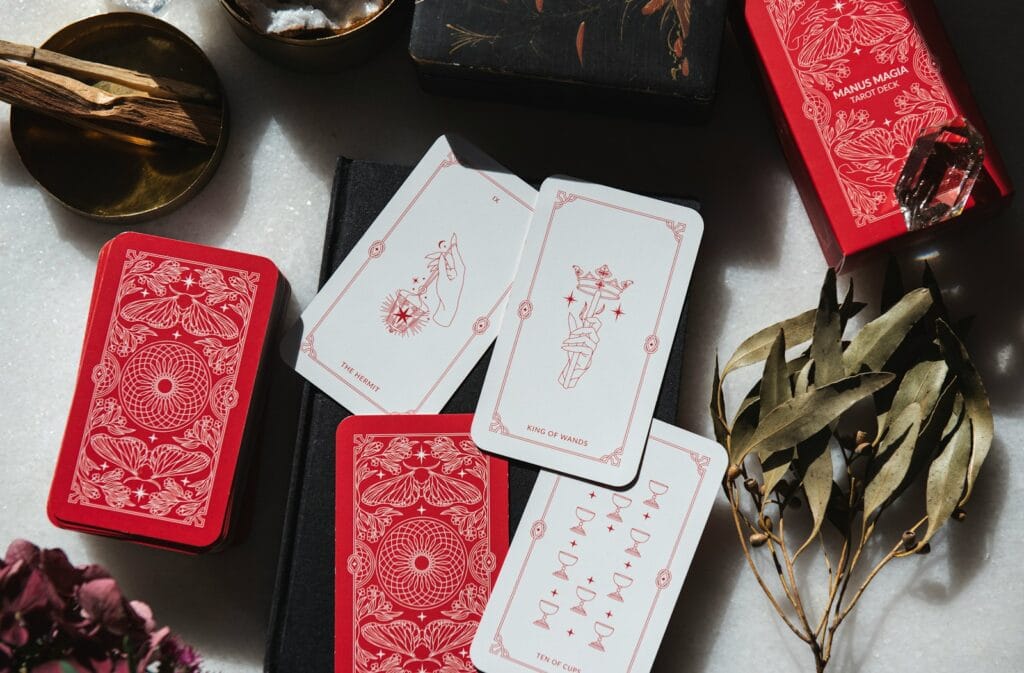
{"x": 583, "y": 515}
{"x": 602, "y": 631}
{"x": 621, "y": 582}
{"x": 566, "y": 559}
{"x": 547, "y": 608}
{"x": 431, "y": 297}
{"x": 657, "y": 488}
{"x": 639, "y": 537}
{"x": 620, "y": 502}
{"x": 597, "y": 289}
{"x": 585, "y": 595}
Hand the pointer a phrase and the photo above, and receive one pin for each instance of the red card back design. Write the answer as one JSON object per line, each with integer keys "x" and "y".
{"x": 171, "y": 355}
{"x": 421, "y": 532}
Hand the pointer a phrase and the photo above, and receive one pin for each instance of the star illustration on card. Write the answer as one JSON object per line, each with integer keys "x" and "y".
{"x": 608, "y": 614}
{"x": 570, "y": 632}
{"x": 618, "y": 312}
{"x": 569, "y": 298}
{"x": 611, "y": 528}
{"x": 628, "y": 564}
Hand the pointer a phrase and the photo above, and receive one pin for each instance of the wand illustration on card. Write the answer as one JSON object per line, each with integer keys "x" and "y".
{"x": 433, "y": 297}
{"x": 598, "y": 289}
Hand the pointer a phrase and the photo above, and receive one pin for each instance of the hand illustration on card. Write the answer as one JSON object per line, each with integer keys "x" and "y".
{"x": 597, "y": 289}
{"x": 428, "y": 282}
{"x": 575, "y": 373}
{"x": 433, "y": 296}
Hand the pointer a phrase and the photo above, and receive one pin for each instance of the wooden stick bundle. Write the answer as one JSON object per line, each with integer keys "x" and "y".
{"x": 162, "y": 105}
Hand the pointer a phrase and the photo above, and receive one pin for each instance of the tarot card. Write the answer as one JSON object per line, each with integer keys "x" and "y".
{"x": 593, "y": 574}
{"x": 575, "y": 374}
{"x": 170, "y": 361}
{"x": 407, "y": 315}
{"x": 420, "y": 532}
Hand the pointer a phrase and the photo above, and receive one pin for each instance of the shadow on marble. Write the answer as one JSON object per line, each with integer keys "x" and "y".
{"x": 697, "y": 618}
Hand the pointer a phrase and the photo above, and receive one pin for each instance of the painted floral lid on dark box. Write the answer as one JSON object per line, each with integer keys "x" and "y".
{"x": 633, "y": 55}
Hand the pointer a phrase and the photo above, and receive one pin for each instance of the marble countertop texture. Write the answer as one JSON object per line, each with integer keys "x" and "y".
{"x": 959, "y": 608}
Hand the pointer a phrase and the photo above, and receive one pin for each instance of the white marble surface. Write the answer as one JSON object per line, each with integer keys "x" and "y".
{"x": 960, "y": 608}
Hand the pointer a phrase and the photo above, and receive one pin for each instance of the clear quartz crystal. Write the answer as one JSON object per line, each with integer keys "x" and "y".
{"x": 148, "y": 6}
{"x": 940, "y": 173}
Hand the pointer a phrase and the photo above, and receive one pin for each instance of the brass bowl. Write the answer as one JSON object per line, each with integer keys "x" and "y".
{"x": 322, "y": 54}
{"x": 105, "y": 177}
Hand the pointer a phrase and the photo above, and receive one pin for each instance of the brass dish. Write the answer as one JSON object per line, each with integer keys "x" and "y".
{"x": 324, "y": 53}
{"x": 100, "y": 175}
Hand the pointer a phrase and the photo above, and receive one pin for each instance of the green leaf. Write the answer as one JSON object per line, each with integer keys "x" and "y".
{"x": 900, "y": 441}
{"x": 923, "y": 385}
{"x": 946, "y": 478}
{"x": 804, "y": 415}
{"x": 826, "y": 341}
{"x": 815, "y": 456}
{"x": 976, "y": 402}
{"x": 775, "y": 382}
{"x": 879, "y": 339}
{"x": 718, "y": 408}
{"x": 892, "y": 286}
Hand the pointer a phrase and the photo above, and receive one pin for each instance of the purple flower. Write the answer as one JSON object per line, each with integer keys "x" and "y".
{"x": 56, "y": 618}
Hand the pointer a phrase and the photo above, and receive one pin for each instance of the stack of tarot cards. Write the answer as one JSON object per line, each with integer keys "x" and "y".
{"x": 168, "y": 392}
{"x": 582, "y": 287}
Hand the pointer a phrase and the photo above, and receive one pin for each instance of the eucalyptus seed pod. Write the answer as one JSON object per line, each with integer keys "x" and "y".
{"x": 733, "y": 472}
{"x": 758, "y": 539}
{"x": 909, "y": 540}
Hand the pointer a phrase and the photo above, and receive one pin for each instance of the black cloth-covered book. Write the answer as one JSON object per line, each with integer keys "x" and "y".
{"x": 301, "y": 631}
{"x": 638, "y": 56}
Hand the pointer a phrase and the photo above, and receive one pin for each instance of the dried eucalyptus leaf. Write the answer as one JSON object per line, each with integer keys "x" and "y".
{"x": 892, "y": 286}
{"x": 817, "y": 481}
{"x": 976, "y": 401}
{"x": 923, "y": 385}
{"x": 799, "y": 329}
{"x": 879, "y": 339}
{"x": 800, "y": 418}
{"x": 929, "y": 281}
{"x": 756, "y": 348}
{"x": 774, "y": 467}
{"x": 775, "y": 381}
{"x": 718, "y": 408}
{"x": 901, "y": 440}
{"x": 742, "y": 430}
{"x": 826, "y": 340}
{"x": 946, "y": 479}
{"x": 803, "y": 378}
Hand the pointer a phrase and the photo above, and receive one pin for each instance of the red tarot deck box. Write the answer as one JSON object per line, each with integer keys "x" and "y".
{"x": 881, "y": 132}
{"x": 167, "y": 392}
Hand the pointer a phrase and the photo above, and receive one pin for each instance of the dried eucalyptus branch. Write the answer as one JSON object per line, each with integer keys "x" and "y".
{"x": 802, "y": 435}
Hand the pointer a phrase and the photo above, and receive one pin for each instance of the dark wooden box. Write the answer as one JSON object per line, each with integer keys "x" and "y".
{"x": 637, "y": 56}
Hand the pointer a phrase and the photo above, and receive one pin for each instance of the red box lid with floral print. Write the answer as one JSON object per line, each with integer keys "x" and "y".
{"x": 856, "y": 83}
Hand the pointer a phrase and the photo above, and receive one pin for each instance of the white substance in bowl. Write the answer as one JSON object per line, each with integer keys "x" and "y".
{"x": 277, "y": 17}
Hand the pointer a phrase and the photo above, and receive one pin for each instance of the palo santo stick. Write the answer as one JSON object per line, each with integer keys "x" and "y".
{"x": 161, "y": 87}
{"x": 66, "y": 98}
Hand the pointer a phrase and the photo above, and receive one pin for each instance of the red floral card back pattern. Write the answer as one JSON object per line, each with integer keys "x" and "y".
{"x": 159, "y": 393}
{"x": 421, "y": 531}
{"x": 869, "y": 85}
